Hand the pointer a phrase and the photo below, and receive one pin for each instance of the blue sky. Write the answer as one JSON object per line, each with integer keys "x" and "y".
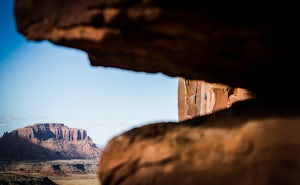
{"x": 41, "y": 82}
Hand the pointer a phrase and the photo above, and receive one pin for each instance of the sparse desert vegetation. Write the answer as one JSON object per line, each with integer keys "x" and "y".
{"x": 14, "y": 178}
{"x": 33, "y": 178}
{"x": 60, "y": 172}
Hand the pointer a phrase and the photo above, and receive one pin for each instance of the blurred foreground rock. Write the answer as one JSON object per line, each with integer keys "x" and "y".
{"x": 249, "y": 143}
{"x": 237, "y": 43}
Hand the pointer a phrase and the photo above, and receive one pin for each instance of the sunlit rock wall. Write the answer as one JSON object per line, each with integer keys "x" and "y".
{"x": 48, "y": 141}
{"x": 198, "y": 98}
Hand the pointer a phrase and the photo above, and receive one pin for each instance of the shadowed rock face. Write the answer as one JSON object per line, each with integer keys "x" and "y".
{"x": 241, "y": 44}
{"x": 237, "y": 43}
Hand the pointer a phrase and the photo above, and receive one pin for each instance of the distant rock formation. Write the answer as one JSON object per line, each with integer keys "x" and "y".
{"x": 47, "y": 141}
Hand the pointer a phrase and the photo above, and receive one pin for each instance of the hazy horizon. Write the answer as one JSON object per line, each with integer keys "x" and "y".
{"x": 44, "y": 83}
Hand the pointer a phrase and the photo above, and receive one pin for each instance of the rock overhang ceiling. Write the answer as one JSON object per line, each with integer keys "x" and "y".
{"x": 238, "y": 43}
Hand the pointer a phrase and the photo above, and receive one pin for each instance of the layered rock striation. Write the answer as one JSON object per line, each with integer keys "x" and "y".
{"x": 47, "y": 141}
{"x": 57, "y": 131}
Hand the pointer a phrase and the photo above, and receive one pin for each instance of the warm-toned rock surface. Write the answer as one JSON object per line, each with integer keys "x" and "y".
{"x": 198, "y": 98}
{"x": 23, "y": 179}
{"x": 47, "y": 141}
{"x": 243, "y": 44}
{"x": 246, "y": 44}
{"x": 249, "y": 143}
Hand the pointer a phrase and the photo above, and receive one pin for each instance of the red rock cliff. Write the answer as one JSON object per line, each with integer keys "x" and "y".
{"x": 48, "y": 141}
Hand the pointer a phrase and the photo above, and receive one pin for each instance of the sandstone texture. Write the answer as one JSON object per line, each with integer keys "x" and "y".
{"x": 47, "y": 141}
{"x": 198, "y": 98}
{"x": 238, "y": 43}
{"x": 249, "y": 143}
{"x": 221, "y": 50}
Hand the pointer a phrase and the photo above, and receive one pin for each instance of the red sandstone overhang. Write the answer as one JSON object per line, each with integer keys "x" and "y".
{"x": 249, "y": 44}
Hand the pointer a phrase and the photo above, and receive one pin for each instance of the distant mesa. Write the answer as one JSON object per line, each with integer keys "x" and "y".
{"x": 47, "y": 141}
